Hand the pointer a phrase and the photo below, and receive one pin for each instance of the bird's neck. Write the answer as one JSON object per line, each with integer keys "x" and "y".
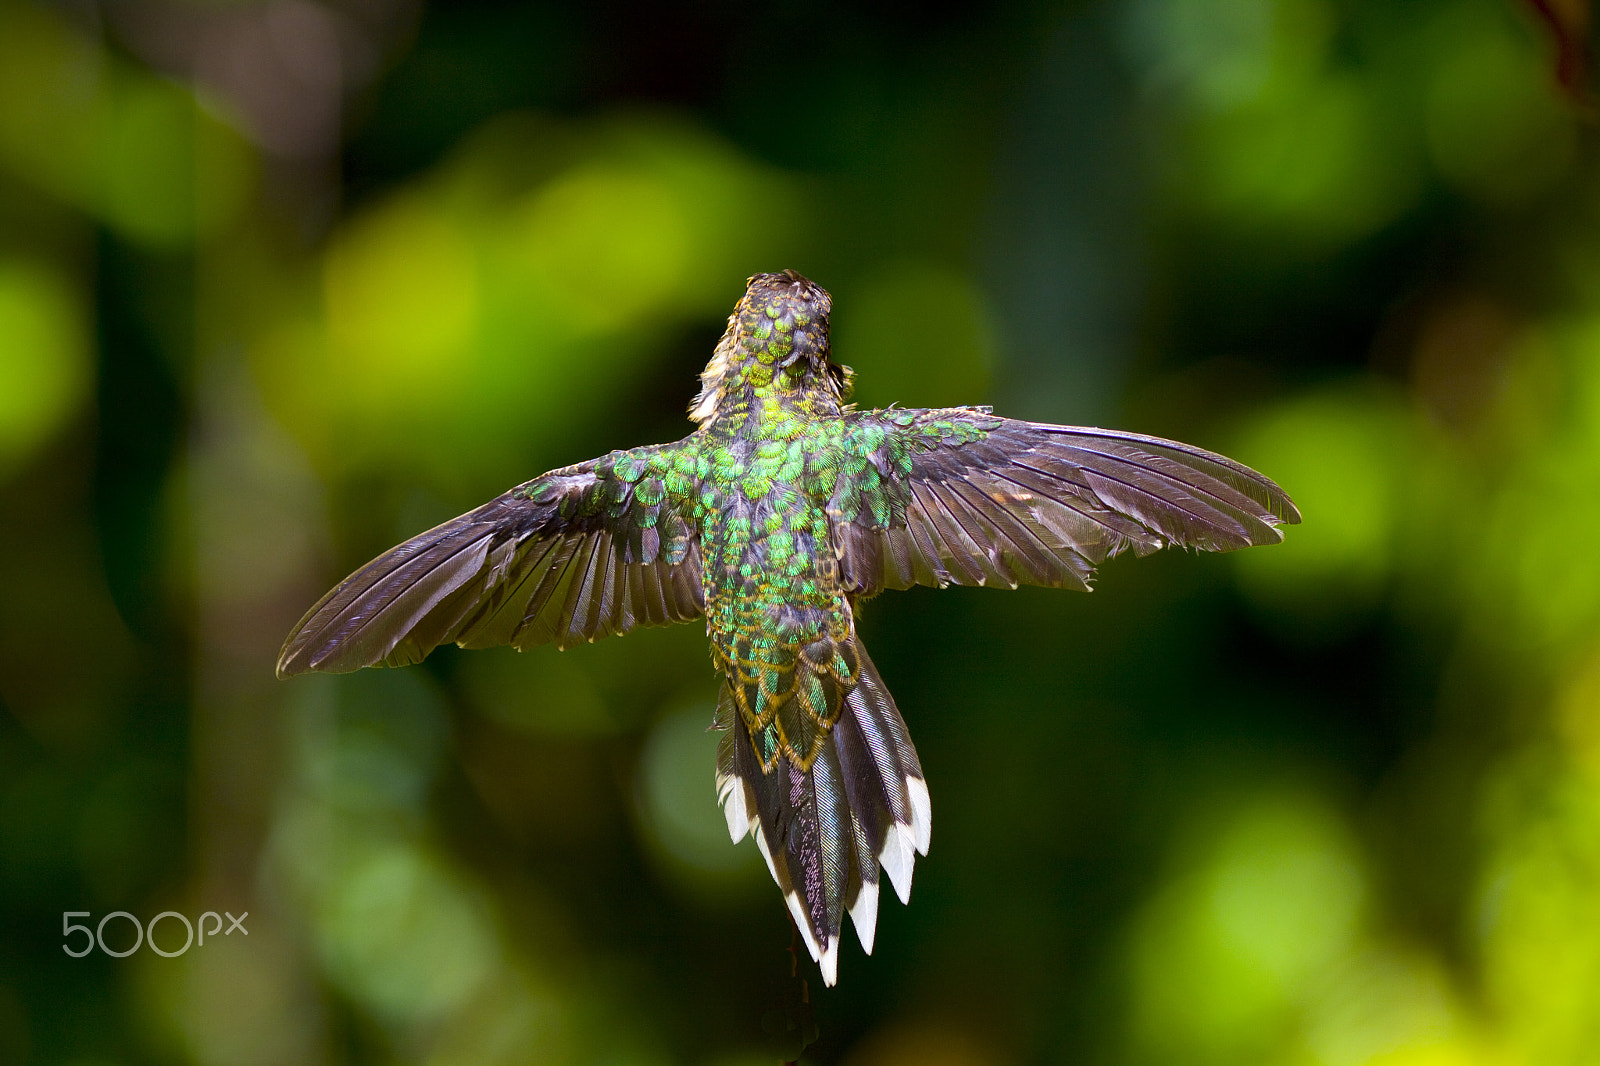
{"x": 750, "y": 393}
{"x": 765, "y": 405}
{"x": 770, "y": 369}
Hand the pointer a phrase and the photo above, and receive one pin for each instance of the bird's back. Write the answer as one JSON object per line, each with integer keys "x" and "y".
{"x": 780, "y": 621}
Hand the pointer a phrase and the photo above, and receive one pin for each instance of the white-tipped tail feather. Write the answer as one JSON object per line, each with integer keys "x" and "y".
{"x": 864, "y": 913}
{"x": 921, "y": 813}
{"x": 897, "y": 860}
{"x": 826, "y": 832}
{"x": 736, "y": 802}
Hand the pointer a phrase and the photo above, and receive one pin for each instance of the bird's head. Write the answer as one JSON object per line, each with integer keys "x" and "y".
{"x": 776, "y": 343}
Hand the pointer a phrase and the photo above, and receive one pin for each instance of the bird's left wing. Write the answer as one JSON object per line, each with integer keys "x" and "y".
{"x": 580, "y": 553}
{"x": 959, "y": 496}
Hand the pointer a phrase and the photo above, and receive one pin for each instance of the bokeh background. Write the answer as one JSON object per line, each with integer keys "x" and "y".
{"x": 284, "y": 282}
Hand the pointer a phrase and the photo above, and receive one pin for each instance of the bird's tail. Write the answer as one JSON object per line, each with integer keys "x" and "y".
{"x": 825, "y": 831}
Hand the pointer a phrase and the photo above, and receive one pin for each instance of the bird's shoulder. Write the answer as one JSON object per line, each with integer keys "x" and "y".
{"x": 647, "y": 476}
{"x": 888, "y": 439}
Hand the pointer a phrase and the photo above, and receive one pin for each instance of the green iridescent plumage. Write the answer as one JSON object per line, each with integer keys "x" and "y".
{"x": 772, "y": 520}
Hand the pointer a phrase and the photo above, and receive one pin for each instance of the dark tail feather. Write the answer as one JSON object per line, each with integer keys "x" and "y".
{"x": 825, "y": 832}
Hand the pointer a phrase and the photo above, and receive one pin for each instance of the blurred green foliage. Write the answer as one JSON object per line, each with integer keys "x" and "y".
{"x": 282, "y": 283}
{"x": 46, "y": 370}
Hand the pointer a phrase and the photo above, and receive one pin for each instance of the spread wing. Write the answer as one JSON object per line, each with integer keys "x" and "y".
{"x": 962, "y": 497}
{"x": 581, "y": 553}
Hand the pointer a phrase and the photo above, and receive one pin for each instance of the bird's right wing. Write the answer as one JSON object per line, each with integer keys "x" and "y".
{"x": 962, "y": 497}
{"x": 577, "y": 554}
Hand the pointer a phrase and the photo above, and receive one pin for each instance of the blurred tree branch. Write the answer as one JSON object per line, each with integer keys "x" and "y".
{"x": 1568, "y": 21}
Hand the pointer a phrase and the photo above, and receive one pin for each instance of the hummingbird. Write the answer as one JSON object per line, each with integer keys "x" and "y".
{"x": 782, "y": 511}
